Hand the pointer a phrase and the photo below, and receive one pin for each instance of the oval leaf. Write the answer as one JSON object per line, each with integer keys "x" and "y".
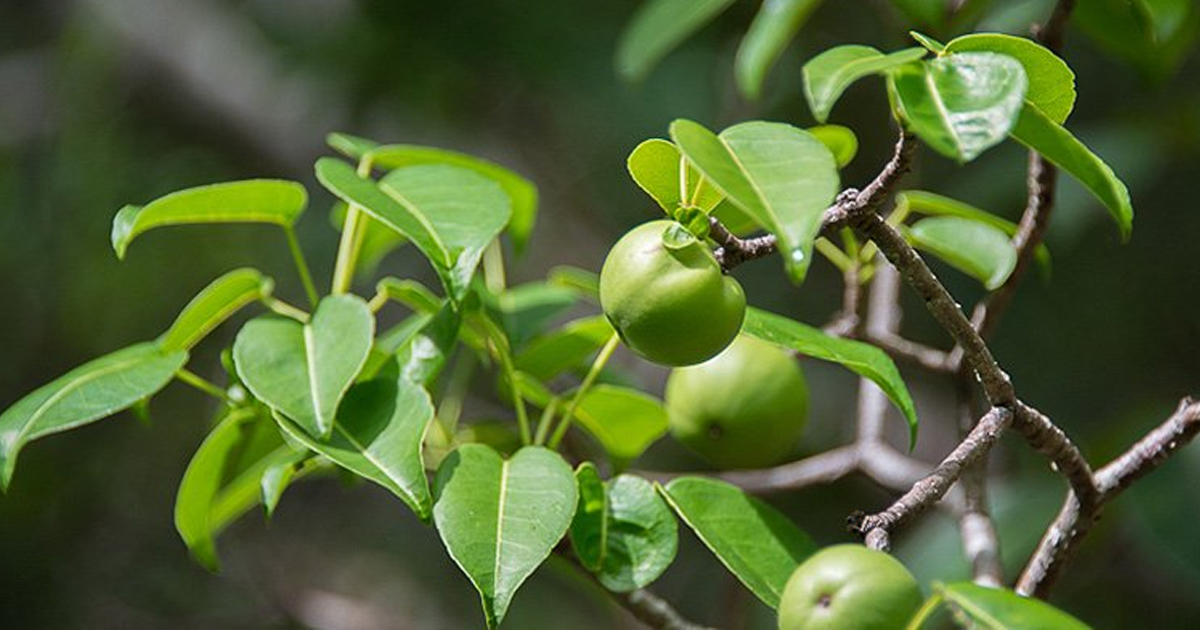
{"x": 466, "y": 210}
{"x": 94, "y": 390}
{"x": 213, "y": 305}
{"x": 657, "y": 28}
{"x": 830, "y": 73}
{"x": 1051, "y": 82}
{"x": 377, "y": 434}
{"x": 500, "y": 519}
{"x": 977, "y": 249}
{"x": 840, "y": 141}
{"x": 341, "y": 179}
{"x": 861, "y": 358}
{"x": 760, "y": 546}
{"x": 781, "y": 176}
{"x": 303, "y": 370}
{"x": 775, "y": 24}
{"x": 1002, "y": 609}
{"x": 925, "y": 202}
{"x": 961, "y": 105}
{"x": 641, "y": 535}
{"x": 250, "y": 201}
{"x": 656, "y": 166}
{"x": 589, "y": 528}
{"x": 1036, "y": 131}
{"x": 625, "y": 421}
{"x": 566, "y": 348}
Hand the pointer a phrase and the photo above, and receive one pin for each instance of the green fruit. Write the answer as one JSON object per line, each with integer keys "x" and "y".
{"x": 664, "y": 293}
{"x": 849, "y": 587}
{"x": 744, "y": 408}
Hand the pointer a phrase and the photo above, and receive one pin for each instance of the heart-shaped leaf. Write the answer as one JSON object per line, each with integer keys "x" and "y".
{"x": 220, "y": 299}
{"x": 760, "y": 546}
{"x": 977, "y": 249}
{"x": 251, "y": 201}
{"x": 781, "y": 176}
{"x": 377, "y": 435}
{"x": 830, "y": 73}
{"x": 774, "y": 26}
{"x": 861, "y": 358}
{"x": 656, "y": 165}
{"x": 94, "y": 390}
{"x": 303, "y": 370}
{"x": 963, "y": 104}
{"x": 623, "y": 530}
{"x": 500, "y": 519}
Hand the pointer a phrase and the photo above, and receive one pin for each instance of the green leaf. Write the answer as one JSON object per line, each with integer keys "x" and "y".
{"x": 348, "y": 145}
{"x": 840, "y": 141}
{"x": 1062, "y": 149}
{"x": 422, "y": 356}
{"x": 466, "y": 210}
{"x": 925, "y": 202}
{"x": 585, "y": 283}
{"x": 213, "y": 305}
{"x": 94, "y": 390}
{"x": 222, "y": 481}
{"x": 977, "y": 249}
{"x": 1051, "y": 82}
{"x": 377, "y": 435}
{"x": 589, "y": 528}
{"x": 563, "y": 349}
{"x": 641, "y": 535}
{"x": 1002, "y": 609}
{"x": 929, "y": 43}
{"x": 500, "y": 519}
{"x": 760, "y": 546}
{"x": 830, "y": 73}
{"x": 657, "y": 28}
{"x": 781, "y": 176}
{"x": 625, "y": 421}
{"x": 526, "y": 309}
{"x": 861, "y": 358}
{"x": 522, "y": 194}
{"x": 250, "y": 201}
{"x": 775, "y": 24}
{"x": 656, "y": 165}
{"x": 963, "y": 104}
{"x": 341, "y": 179}
{"x": 303, "y": 370}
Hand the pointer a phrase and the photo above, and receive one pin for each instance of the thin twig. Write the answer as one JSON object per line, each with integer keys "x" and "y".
{"x": 980, "y": 542}
{"x": 654, "y": 611}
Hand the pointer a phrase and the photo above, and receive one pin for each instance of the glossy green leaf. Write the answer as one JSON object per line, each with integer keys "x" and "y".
{"x": 467, "y": 211}
{"x": 976, "y": 249}
{"x": 963, "y": 104}
{"x": 760, "y": 546}
{"x": 625, "y": 421}
{"x": 1062, "y": 149}
{"x": 500, "y": 519}
{"x": 251, "y": 201}
{"x": 377, "y": 435}
{"x": 213, "y": 305}
{"x": 303, "y": 370}
{"x": 94, "y": 390}
{"x": 927, "y": 42}
{"x": 1002, "y": 609}
{"x": 589, "y": 528}
{"x": 656, "y": 166}
{"x": 781, "y": 176}
{"x": 1155, "y": 36}
{"x": 349, "y": 145}
{"x": 525, "y": 310}
{"x": 223, "y": 480}
{"x": 830, "y": 73}
{"x": 565, "y": 348}
{"x": 341, "y": 179}
{"x": 422, "y": 356}
{"x": 775, "y": 24}
{"x": 925, "y": 202}
{"x": 1051, "y": 83}
{"x": 840, "y": 141}
{"x": 641, "y": 538}
{"x": 657, "y": 28}
{"x": 861, "y": 358}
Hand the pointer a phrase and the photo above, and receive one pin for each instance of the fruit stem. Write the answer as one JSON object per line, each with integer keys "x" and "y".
{"x": 601, "y": 360}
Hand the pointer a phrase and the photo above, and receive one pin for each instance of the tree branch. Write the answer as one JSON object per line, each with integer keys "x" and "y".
{"x": 654, "y": 611}
{"x": 1073, "y": 523}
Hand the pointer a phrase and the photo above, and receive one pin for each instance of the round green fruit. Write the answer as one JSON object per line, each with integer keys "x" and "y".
{"x": 744, "y": 408}
{"x": 849, "y": 587}
{"x": 664, "y": 292}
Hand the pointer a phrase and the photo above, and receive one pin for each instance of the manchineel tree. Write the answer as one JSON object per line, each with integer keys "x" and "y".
{"x": 315, "y": 389}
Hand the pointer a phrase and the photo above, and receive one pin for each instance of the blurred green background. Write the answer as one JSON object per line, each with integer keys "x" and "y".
{"x": 107, "y": 102}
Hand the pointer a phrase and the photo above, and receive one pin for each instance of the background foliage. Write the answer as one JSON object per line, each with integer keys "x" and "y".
{"x": 110, "y": 101}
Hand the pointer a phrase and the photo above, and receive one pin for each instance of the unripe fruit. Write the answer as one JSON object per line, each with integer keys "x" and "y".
{"x": 744, "y": 408}
{"x": 849, "y": 587}
{"x": 667, "y": 297}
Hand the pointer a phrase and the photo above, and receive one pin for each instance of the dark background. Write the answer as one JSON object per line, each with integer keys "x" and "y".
{"x": 107, "y": 102}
